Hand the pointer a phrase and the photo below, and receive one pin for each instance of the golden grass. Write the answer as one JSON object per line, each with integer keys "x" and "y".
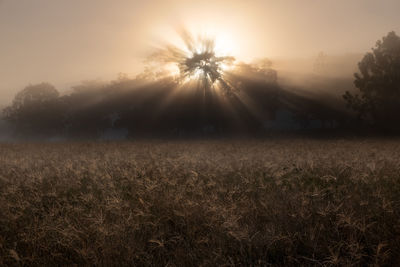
{"x": 252, "y": 203}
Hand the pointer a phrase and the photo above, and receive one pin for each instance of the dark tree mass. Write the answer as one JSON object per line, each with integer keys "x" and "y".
{"x": 142, "y": 106}
{"x": 378, "y": 81}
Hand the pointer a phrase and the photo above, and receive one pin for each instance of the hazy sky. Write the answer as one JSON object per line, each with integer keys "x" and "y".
{"x": 66, "y": 41}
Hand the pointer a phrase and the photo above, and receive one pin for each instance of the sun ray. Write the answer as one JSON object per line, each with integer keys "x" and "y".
{"x": 212, "y": 85}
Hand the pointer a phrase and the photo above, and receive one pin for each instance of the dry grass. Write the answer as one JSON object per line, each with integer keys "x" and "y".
{"x": 282, "y": 202}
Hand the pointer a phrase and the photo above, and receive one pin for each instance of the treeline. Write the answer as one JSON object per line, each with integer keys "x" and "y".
{"x": 159, "y": 104}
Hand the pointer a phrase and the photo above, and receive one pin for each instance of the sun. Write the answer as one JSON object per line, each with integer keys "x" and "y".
{"x": 203, "y": 58}
{"x": 224, "y": 45}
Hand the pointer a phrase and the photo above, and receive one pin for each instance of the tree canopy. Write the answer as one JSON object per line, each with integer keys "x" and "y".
{"x": 378, "y": 82}
{"x": 36, "y": 109}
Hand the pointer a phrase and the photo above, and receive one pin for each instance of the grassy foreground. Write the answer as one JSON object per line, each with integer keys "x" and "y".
{"x": 252, "y": 203}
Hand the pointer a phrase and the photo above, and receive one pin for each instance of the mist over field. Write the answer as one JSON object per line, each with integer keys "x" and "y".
{"x": 264, "y": 95}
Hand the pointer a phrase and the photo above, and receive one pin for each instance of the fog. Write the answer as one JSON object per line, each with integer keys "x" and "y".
{"x": 64, "y": 42}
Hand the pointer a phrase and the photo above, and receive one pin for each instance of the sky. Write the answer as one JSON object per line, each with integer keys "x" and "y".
{"x": 67, "y": 41}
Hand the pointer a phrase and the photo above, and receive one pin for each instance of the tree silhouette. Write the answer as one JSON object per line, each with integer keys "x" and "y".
{"x": 320, "y": 63}
{"x": 378, "y": 102}
{"x": 36, "y": 110}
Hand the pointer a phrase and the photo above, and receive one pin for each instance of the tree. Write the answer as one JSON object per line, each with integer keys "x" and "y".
{"x": 36, "y": 109}
{"x": 378, "y": 100}
{"x": 320, "y": 63}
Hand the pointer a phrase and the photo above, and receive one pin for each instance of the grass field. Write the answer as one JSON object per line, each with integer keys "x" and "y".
{"x": 184, "y": 203}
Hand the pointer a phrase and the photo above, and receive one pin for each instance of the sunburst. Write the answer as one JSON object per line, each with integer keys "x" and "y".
{"x": 198, "y": 60}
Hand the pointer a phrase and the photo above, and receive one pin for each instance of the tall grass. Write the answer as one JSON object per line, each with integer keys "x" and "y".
{"x": 229, "y": 203}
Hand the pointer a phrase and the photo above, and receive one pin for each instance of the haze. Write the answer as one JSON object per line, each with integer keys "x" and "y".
{"x": 64, "y": 42}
